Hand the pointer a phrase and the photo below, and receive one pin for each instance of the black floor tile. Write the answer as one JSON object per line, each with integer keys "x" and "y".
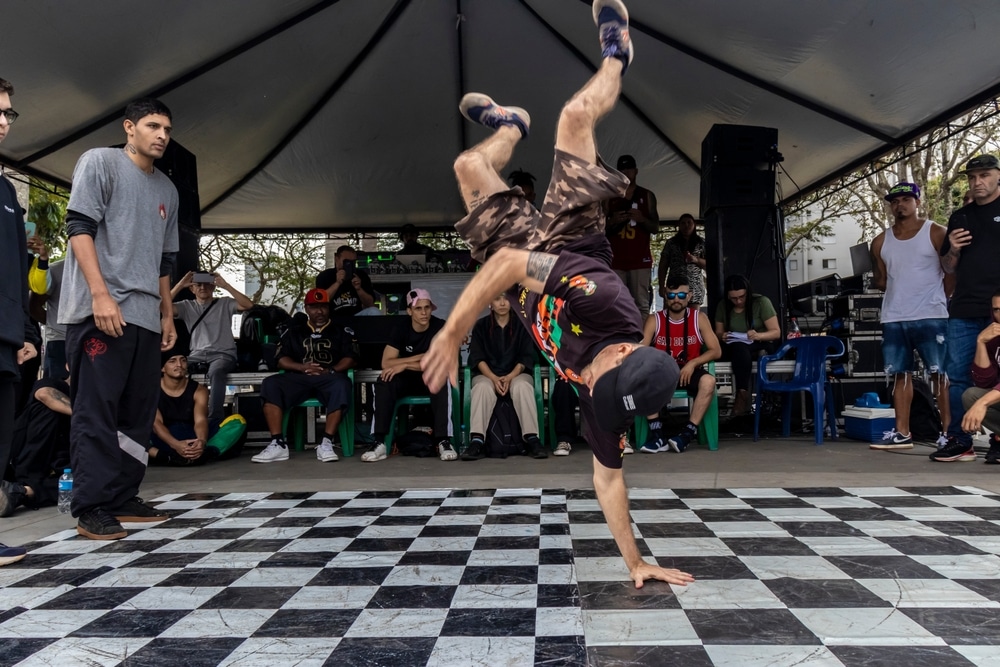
{"x": 131, "y": 623}
{"x": 489, "y": 623}
{"x": 624, "y": 595}
{"x": 883, "y": 567}
{"x": 308, "y": 623}
{"x": 767, "y": 546}
{"x": 92, "y": 598}
{"x": 412, "y": 597}
{"x": 196, "y": 577}
{"x": 975, "y": 627}
{"x": 750, "y": 626}
{"x": 560, "y": 651}
{"x": 911, "y": 656}
{"x": 350, "y": 576}
{"x": 930, "y": 545}
{"x": 708, "y": 567}
{"x": 500, "y": 575}
{"x": 823, "y": 593}
{"x": 13, "y": 651}
{"x": 251, "y": 597}
{"x": 381, "y": 652}
{"x": 648, "y": 656}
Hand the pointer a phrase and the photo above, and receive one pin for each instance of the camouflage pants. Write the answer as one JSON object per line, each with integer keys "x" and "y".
{"x": 571, "y": 209}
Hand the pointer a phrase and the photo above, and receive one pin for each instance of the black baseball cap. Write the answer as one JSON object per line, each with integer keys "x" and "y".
{"x": 642, "y": 384}
{"x": 981, "y": 162}
{"x": 626, "y": 162}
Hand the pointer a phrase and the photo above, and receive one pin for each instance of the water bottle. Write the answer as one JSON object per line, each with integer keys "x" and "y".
{"x": 65, "y": 491}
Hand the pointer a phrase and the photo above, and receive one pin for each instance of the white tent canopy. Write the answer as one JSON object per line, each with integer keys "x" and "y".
{"x": 342, "y": 114}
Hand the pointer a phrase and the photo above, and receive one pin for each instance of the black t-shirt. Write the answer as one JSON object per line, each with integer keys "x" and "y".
{"x": 978, "y": 269}
{"x": 325, "y": 347}
{"x": 411, "y": 343}
{"x": 584, "y": 309}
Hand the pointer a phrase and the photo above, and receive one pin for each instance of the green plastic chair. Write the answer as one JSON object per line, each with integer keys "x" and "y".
{"x": 539, "y": 405}
{"x": 297, "y": 435}
{"x": 406, "y": 401}
{"x": 708, "y": 429}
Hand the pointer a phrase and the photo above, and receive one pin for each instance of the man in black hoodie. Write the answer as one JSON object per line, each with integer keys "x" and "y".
{"x": 18, "y": 339}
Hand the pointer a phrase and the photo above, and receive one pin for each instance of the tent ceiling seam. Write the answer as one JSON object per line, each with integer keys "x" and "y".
{"x": 322, "y": 101}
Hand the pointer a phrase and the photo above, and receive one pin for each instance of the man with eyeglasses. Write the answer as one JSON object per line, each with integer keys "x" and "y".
{"x": 115, "y": 302}
{"x": 18, "y": 339}
{"x": 555, "y": 263}
{"x": 969, "y": 251}
{"x": 684, "y": 333}
{"x": 915, "y": 309}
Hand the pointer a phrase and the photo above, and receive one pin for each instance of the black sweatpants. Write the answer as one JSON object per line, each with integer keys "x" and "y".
{"x": 410, "y": 383}
{"x": 41, "y": 451}
{"x": 564, "y": 404}
{"x": 115, "y": 387}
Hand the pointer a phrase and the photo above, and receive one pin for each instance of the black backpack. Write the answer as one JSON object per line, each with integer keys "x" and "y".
{"x": 419, "y": 442}
{"x": 503, "y": 435}
{"x": 925, "y": 420}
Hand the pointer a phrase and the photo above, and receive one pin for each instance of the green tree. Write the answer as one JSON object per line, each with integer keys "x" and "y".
{"x": 287, "y": 262}
{"x": 47, "y": 209}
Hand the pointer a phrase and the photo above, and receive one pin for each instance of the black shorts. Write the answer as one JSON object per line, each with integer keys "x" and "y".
{"x": 286, "y": 390}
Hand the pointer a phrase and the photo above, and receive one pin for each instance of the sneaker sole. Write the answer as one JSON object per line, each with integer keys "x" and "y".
{"x": 95, "y": 536}
{"x": 124, "y": 518}
{"x": 373, "y": 460}
{"x": 7, "y": 560}
{"x": 476, "y": 100}
{"x": 257, "y": 460}
{"x": 908, "y": 445}
{"x": 650, "y": 450}
{"x": 617, "y": 5}
{"x": 560, "y": 453}
{"x": 674, "y": 447}
{"x": 951, "y": 459}
{"x": 327, "y": 459}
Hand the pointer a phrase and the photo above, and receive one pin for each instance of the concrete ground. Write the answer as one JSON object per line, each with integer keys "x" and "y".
{"x": 739, "y": 462}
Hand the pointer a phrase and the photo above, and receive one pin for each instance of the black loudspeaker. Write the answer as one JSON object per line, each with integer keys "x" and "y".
{"x": 738, "y": 165}
{"x": 747, "y": 241}
{"x": 181, "y": 166}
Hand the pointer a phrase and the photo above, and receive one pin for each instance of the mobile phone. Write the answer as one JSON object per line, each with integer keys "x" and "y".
{"x": 30, "y": 228}
{"x": 201, "y": 277}
{"x": 348, "y": 269}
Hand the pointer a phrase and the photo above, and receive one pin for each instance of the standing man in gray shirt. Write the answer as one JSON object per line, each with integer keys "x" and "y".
{"x": 209, "y": 320}
{"x": 115, "y": 303}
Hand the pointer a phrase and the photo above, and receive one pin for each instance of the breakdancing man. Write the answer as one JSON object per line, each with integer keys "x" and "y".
{"x": 577, "y": 310}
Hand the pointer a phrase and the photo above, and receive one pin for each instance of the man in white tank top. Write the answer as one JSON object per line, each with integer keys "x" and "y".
{"x": 915, "y": 309}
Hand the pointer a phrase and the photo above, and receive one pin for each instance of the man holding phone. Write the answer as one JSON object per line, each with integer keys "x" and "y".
{"x": 345, "y": 284}
{"x": 209, "y": 322}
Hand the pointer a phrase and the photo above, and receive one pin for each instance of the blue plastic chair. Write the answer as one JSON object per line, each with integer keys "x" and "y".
{"x": 811, "y": 353}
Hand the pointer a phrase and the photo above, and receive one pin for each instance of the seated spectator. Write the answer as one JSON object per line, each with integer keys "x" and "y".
{"x": 183, "y": 433}
{"x": 502, "y": 357}
{"x": 315, "y": 357}
{"x": 982, "y": 400}
{"x": 40, "y": 450}
{"x": 685, "y": 333}
{"x": 739, "y": 327}
{"x": 401, "y": 376}
{"x": 209, "y": 323}
{"x": 350, "y": 289}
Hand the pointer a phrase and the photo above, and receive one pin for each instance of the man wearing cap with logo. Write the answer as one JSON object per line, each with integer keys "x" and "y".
{"x": 315, "y": 356}
{"x": 401, "y": 377}
{"x": 915, "y": 309}
{"x": 556, "y": 265}
{"x": 970, "y": 251}
{"x": 630, "y": 221}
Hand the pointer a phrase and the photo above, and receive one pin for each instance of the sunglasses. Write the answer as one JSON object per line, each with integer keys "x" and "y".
{"x": 677, "y": 295}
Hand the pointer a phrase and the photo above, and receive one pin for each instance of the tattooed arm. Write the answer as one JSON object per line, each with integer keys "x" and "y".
{"x": 54, "y": 400}
{"x": 509, "y": 266}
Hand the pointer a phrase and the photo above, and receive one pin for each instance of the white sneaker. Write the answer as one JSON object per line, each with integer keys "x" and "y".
{"x": 563, "y": 448}
{"x": 446, "y": 451}
{"x": 325, "y": 452}
{"x": 275, "y": 451}
{"x": 627, "y": 446}
{"x": 377, "y": 453}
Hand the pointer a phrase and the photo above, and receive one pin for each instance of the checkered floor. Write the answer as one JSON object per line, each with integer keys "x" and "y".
{"x": 817, "y": 576}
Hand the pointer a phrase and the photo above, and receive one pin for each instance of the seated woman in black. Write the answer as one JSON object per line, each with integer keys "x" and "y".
{"x": 746, "y": 332}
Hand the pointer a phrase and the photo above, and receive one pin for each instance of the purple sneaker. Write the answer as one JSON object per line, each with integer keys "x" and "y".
{"x": 611, "y": 18}
{"x": 482, "y": 109}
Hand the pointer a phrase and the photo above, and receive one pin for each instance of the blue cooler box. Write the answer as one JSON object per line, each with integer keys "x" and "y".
{"x": 868, "y": 424}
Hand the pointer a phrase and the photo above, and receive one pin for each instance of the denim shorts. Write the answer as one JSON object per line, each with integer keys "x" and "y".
{"x": 900, "y": 339}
